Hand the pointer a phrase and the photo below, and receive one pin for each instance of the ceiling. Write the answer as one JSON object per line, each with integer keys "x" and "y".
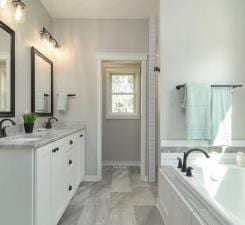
{"x": 100, "y": 8}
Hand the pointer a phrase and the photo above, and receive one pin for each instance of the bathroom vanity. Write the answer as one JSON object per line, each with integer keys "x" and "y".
{"x": 39, "y": 175}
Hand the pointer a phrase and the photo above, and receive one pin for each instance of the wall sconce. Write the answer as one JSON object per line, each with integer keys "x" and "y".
{"x": 49, "y": 40}
{"x": 20, "y": 12}
{"x": 19, "y": 7}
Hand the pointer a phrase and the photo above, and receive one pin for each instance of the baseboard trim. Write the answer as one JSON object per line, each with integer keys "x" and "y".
{"x": 121, "y": 163}
{"x": 91, "y": 178}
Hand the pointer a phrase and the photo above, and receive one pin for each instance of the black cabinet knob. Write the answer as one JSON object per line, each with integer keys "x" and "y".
{"x": 71, "y": 142}
{"x": 55, "y": 150}
{"x": 81, "y": 135}
{"x": 70, "y": 187}
{"x": 70, "y": 162}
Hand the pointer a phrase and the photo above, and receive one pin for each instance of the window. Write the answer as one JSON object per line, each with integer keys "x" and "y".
{"x": 122, "y": 93}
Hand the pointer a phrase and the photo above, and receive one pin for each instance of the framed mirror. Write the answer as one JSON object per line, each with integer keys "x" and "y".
{"x": 7, "y": 71}
{"x": 41, "y": 84}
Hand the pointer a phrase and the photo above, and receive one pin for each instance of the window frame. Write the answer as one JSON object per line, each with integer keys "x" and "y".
{"x": 123, "y": 71}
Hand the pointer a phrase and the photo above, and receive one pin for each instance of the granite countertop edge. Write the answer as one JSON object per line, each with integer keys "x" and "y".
{"x": 6, "y": 143}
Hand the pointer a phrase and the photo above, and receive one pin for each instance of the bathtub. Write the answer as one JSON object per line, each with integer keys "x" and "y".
{"x": 221, "y": 188}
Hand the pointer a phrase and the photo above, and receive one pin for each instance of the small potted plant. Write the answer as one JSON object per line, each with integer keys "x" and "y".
{"x": 29, "y": 120}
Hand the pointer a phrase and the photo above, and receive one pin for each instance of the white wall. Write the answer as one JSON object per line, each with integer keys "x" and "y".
{"x": 201, "y": 41}
{"x": 27, "y": 35}
{"x": 75, "y": 66}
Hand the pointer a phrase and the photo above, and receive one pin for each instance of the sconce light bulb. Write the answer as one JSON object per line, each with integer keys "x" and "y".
{"x": 3, "y": 3}
{"x": 19, "y": 14}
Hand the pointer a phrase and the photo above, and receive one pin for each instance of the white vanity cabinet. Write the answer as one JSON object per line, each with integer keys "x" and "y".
{"x": 58, "y": 174}
{"x": 174, "y": 209}
{"x": 36, "y": 185}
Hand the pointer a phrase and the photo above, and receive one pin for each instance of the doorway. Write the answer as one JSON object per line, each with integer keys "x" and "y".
{"x": 121, "y": 111}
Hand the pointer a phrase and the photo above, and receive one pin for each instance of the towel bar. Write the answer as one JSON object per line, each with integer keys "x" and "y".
{"x": 234, "y": 86}
{"x": 70, "y": 95}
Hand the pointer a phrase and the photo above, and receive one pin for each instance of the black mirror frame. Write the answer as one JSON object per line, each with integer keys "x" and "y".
{"x": 35, "y": 52}
{"x": 11, "y": 113}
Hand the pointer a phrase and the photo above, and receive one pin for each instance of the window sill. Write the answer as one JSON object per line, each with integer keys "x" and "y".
{"x": 123, "y": 117}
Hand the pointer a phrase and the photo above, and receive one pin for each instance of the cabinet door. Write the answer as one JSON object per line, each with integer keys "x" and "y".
{"x": 57, "y": 182}
{"x": 82, "y": 137}
{"x": 43, "y": 187}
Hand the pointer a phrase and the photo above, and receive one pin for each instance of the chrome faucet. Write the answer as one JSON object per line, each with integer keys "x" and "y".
{"x": 3, "y": 129}
{"x": 186, "y": 154}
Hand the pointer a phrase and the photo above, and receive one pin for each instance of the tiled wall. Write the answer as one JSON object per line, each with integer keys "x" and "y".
{"x": 152, "y": 84}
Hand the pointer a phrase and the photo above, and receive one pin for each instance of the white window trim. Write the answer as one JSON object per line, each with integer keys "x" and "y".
{"x": 122, "y": 57}
{"x": 109, "y": 113}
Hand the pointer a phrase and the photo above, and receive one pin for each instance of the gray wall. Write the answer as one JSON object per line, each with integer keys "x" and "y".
{"x": 27, "y": 35}
{"x": 201, "y": 41}
{"x": 75, "y": 66}
{"x": 120, "y": 138}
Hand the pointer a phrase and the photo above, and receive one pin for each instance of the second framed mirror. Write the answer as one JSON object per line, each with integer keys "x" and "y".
{"x": 41, "y": 84}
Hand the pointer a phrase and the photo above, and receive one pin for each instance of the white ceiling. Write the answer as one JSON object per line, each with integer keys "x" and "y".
{"x": 100, "y": 8}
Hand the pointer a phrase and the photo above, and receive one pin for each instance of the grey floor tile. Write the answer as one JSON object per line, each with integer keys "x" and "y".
{"x": 82, "y": 194}
{"x": 71, "y": 215}
{"x": 122, "y": 218}
{"x": 100, "y": 190}
{"x": 121, "y": 202}
{"x": 148, "y": 215}
{"x": 95, "y": 212}
{"x": 121, "y": 181}
{"x": 143, "y": 196}
{"x": 121, "y": 198}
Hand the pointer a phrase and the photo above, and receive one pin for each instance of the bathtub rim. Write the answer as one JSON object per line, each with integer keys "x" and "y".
{"x": 199, "y": 191}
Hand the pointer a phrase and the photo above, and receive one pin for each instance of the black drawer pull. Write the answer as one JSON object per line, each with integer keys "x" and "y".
{"x": 55, "y": 150}
{"x": 70, "y": 162}
{"x": 70, "y": 187}
{"x": 81, "y": 135}
{"x": 71, "y": 142}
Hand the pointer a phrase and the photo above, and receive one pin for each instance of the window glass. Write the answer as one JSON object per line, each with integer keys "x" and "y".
{"x": 122, "y": 83}
{"x": 122, "y": 103}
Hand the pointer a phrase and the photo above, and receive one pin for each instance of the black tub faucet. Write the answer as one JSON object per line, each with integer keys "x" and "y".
{"x": 49, "y": 124}
{"x": 186, "y": 154}
{"x": 3, "y": 128}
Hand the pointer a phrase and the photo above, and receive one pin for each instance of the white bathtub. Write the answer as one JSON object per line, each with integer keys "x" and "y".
{"x": 222, "y": 189}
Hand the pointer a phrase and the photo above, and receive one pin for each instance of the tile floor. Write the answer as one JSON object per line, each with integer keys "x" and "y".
{"x": 121, "y": 198}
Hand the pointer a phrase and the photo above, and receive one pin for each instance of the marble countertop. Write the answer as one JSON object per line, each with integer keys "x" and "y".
{"x": 21, "y": 140}
{"x": 202, "y": 210}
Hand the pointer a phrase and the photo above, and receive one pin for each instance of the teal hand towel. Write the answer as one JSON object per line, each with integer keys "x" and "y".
{"x": 221, "y": 116}
{"x": 196, "y": 99}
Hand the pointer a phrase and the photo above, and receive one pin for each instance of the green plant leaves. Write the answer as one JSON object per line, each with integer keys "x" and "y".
{"x": 29, "y": 118}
